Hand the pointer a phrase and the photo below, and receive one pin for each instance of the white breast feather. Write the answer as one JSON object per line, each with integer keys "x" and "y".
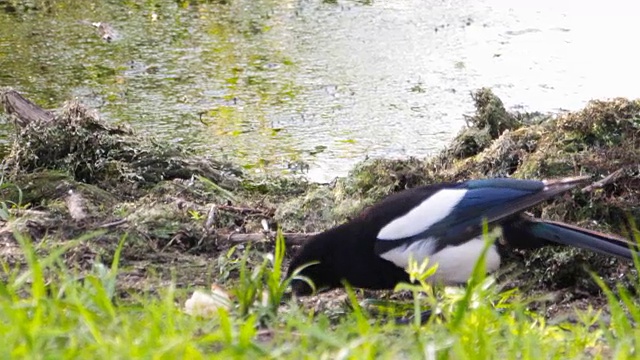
{"x": 423, "y": 216}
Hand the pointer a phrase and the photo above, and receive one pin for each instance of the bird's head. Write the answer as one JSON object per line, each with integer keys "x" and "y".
{"x": 313, "y": 262}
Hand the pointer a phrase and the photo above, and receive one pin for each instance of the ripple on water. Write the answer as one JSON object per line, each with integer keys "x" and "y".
{"x": 273, "y": 82}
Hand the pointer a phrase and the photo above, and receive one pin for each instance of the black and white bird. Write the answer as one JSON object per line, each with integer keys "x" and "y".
{"x": 444, "y": 223}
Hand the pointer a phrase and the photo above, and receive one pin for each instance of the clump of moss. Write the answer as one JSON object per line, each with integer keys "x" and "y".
{"x": 489, "y": 122}
{"x": 602, "y": 123}
{"x": 76, "y": 142}
{"x": 491, "y": 114}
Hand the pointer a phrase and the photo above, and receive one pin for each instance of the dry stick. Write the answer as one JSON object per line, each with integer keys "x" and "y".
{"x": 289, "y": 238}
{"x": 115, "y": 223}
{"x": 606, "y": 181}
{"x": 242, "y": 210}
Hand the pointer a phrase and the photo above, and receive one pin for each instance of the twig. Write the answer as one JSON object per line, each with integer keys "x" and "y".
{"x": 289, "y": 238}
{"x": 241, "y": 210}
{"x": 114, "y": 223}
{"x": 606, "y": 181}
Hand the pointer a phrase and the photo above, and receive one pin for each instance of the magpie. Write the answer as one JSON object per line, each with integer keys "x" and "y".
{"x": 442, "y": 222}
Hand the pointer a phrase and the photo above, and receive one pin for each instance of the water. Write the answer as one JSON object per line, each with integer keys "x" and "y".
{"x": 273, "y": 83}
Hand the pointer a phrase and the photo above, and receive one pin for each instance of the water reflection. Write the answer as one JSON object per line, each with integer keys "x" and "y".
{"x": 329, "y": 82}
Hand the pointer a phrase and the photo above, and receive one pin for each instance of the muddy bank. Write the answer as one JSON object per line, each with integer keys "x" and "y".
{"x": 69, "y": 173}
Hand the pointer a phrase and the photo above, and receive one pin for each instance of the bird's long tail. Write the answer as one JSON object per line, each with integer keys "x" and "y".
{"x": 537, "y": 232}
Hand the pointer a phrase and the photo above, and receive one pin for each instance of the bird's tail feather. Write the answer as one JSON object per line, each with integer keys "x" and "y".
{"x": 570, "y": 235}
{"x": 553, "y": 187}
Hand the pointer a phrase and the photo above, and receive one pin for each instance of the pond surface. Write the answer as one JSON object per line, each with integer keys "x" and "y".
{"x": 275, "y": 84}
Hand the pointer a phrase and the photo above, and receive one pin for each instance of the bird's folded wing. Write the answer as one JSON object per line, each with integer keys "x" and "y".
{"x": 455, "y": 214}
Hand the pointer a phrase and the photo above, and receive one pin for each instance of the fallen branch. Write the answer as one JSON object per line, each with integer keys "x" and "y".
{"x": 604, "y": 182}
{"x": 289, "y": 238}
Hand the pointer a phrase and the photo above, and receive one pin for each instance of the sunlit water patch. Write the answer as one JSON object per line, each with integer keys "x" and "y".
{"x": 280, "y": 84}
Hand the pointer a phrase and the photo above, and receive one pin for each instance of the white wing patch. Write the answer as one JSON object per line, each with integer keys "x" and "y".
{"x": 455, "y": 263}
{"x": 423, "y": 216}
{"x": 400, "y": 255}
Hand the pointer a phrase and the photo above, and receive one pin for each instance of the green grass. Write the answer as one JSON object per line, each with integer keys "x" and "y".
{"x": 47, "y": 312}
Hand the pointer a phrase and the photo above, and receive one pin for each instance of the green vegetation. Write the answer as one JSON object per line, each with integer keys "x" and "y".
{"x": 106, "y": 234}
{"x": 169, "y": 234}
{"x": 48, "y": 311}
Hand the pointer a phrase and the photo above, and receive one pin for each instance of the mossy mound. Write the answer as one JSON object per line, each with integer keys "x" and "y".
{"x": 489, "y": 122}
{"x": 76, "y": 142}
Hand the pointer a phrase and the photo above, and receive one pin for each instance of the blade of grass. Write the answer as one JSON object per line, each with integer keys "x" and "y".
{"x": 477, "y": 277}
